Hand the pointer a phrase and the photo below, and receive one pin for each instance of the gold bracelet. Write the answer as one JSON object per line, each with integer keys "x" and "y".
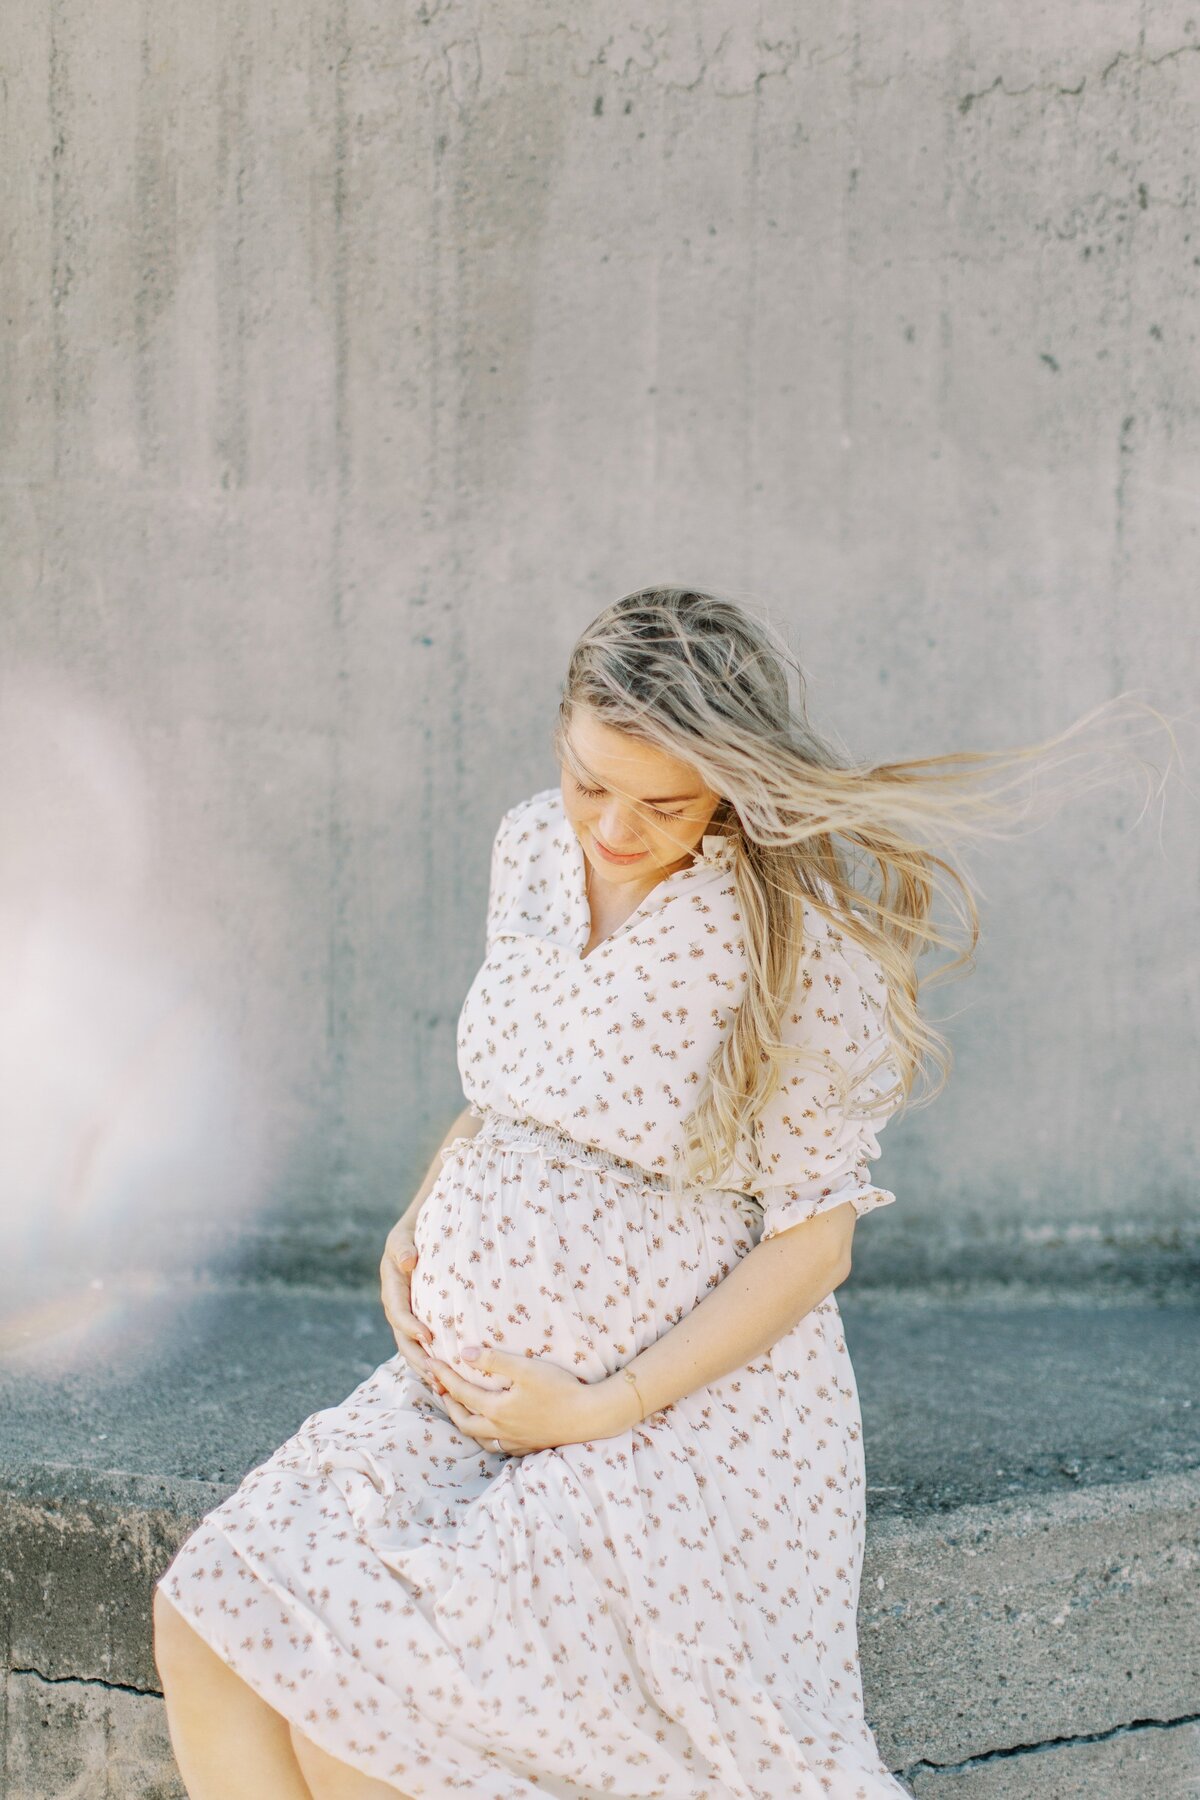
{"x": 629, "y": 1375}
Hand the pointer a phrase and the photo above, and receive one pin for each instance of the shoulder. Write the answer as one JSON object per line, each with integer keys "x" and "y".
{"x": 528, "y": 872}
{"x": 528, "y": 836}
{"x": 836, "y": 965}
{"x": 529, "y": 822}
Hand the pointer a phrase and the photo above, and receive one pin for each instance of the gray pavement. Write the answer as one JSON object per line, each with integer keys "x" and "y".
{"x": 965, "y": 1400}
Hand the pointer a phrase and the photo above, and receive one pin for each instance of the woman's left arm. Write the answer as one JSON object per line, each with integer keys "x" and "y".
{"x": 814, "y": 1159}
{"x": 768, "y": 1292}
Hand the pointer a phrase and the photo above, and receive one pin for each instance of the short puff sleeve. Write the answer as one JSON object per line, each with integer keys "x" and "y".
{"x": 813, "y": 1152}
{"x": 502, "y": 887}
{"x": 503, "y": 875}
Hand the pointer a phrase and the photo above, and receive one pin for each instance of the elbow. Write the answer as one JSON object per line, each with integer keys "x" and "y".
{"x": 841, "y": 1271}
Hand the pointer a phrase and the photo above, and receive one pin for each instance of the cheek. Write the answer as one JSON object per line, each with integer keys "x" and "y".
{"x": 668, "y": 847}
{"x": 572, "y": 809}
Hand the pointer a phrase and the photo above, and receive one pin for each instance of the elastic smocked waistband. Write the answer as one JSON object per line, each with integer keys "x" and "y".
{"x": 525, "y": 1133}
{"x": 521, "y": 1133}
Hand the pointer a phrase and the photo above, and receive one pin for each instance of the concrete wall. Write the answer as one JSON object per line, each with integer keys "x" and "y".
{"x": 356, "y": 354}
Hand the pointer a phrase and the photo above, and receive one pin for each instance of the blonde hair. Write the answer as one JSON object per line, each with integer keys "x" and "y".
{"x": 698, "y": 675}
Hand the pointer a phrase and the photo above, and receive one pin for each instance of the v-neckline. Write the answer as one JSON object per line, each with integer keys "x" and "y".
{"x": 704, "y": 858}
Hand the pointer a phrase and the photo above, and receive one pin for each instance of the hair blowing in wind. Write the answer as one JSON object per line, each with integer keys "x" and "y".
{"x": 870, "y": 846}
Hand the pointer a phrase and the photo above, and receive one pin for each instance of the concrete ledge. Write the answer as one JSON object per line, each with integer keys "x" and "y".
{"x": 1136, "y": 1762}
{"x": 1011, "y": 1626}
{"x": 78, "y": 1740}
{"x": 1033, "y": 1522}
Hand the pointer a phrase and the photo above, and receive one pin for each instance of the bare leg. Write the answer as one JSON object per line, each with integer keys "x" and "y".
{"x": 229, "y": 1744}
{"x": 330, "y": 1779}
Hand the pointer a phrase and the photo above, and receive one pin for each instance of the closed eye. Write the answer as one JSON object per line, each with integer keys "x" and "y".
{"x": 594, "y": 794}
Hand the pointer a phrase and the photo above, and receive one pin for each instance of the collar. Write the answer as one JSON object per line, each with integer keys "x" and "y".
{"x": 716, "y": 850}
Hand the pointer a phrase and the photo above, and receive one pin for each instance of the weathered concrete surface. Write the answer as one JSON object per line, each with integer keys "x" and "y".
{"x": 1150, "y": 1762}
{"x": 356, "y": 355}
{"x": 79, "y": 1741}
{"x": 964, "y": 1401}
{"x": 1017, "y": 1624}
{"x": 1033, "y": 1496}
{"x": 74, "y": 1740}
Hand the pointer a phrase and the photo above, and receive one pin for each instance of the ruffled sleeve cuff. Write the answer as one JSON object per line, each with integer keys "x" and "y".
{"x": 784, "y": 1207}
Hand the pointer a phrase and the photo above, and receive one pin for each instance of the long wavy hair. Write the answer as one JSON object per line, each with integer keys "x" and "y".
{"x": 700, "y": 676}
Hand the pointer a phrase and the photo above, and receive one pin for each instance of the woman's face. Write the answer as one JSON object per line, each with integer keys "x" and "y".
{"x": 634, "y": 800}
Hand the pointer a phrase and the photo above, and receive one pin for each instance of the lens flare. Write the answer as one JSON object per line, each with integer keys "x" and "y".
{"x": 129, "y": 1122}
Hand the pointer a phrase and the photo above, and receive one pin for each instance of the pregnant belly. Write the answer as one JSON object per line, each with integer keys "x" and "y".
{"x": 539, "y": 1257}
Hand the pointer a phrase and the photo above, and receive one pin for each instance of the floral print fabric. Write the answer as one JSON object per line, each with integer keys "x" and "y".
{"x": 670, "y": 1612}
{"x": 612, "y": 1049}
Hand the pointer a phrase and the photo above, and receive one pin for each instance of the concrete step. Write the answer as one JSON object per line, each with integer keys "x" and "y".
{"x": 1028, "y": 1616}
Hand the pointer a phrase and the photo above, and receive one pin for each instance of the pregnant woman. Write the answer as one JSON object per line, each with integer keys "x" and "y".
{"x": 596, "y": 1529}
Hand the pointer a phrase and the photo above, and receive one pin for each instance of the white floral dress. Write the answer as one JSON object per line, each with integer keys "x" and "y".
{"x": 669, "y": 1612}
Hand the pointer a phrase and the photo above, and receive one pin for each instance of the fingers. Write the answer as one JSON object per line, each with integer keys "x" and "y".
{"x": 399, "y": 1252}
{"x": 468, "y": 1392}
{"x": 417, "y": 1360}
{"x": 466, "y": 1420}
{"x": 420, "y": 1364}
{"x": 400, "y": 1238}
{"x": 484, "y": 1430}
{"x": 395, "y": 1289}
{"x": 403, "y": 1323}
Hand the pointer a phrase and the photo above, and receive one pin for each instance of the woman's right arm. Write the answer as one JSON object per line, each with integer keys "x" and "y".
{"x": 400, "y": 1255}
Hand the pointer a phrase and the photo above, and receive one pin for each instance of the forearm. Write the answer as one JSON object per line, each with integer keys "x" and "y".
{"x": 768, "y": 1292}
{"x": 465, "y": 1125}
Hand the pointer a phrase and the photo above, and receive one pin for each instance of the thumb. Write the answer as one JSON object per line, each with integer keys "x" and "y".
{"x": 490, "y": 1361}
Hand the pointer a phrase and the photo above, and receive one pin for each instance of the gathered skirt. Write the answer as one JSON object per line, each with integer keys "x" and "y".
{"x": 669, "y": 1612}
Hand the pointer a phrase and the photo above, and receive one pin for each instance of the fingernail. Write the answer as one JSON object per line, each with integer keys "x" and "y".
{"x": 470, "y": 1351}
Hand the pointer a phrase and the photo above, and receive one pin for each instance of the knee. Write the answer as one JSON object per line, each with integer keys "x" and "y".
{"x": 178, "y": 1648}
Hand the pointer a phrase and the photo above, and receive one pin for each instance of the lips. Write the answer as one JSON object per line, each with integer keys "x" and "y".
{"x": 617, "y": 855}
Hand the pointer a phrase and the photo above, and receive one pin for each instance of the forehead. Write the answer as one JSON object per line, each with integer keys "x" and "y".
{"x": 606, "y": 752}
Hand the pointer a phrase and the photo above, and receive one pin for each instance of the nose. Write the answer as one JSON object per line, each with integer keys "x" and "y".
{"x": 619, "y": 831}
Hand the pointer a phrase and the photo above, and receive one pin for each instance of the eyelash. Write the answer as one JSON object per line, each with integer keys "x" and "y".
{"x": 594, "y": 793}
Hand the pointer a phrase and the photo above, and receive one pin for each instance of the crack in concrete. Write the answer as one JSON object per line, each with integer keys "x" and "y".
{"x": 923, "y": 1766}
{"x": 773, "y": 56}
{"x": 89, "y": 1681}
{"x": 967, "y": 101}
{"x": 1147, "y": 62}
